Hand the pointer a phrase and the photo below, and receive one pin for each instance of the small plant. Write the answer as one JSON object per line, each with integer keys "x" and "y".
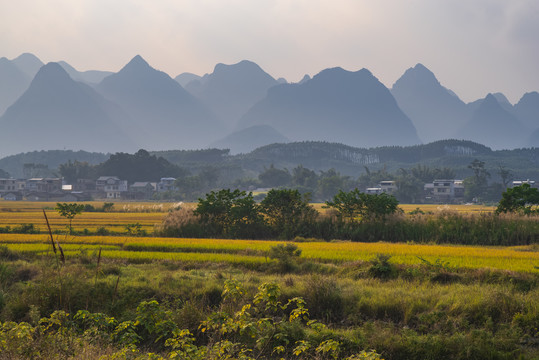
{"x": 69, "y": 211}
{"x": 417, "y": 211}
{"x": 135, "y": 229}
{"x": 107, "y": 207}
{"x": 285, "y": 255}
{"x": 381, "y": 268}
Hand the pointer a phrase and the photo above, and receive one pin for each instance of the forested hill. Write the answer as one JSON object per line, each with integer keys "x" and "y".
{"x": 348, "y": 160}
{"x": 44, "y": 163}
{"x": 313, "y": 151}
{"x": 455, "y": 154}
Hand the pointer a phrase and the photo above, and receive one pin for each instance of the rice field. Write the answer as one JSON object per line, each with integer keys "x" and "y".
{"x": 149, "y": 215}
{"x": 520, "y": 259}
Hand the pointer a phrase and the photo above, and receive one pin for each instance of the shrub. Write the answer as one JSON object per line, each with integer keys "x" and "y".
{"x": 25, "y": 229}
{"x": 101, "y": 231}
{"x": 381, "y": 268}
{"x": 285, "y": 255}
{"x": 325, "y": 299}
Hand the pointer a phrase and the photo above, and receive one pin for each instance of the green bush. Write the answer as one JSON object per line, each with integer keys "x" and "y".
{"x": 286, "y": 255}
{"x": 381, "y": 268}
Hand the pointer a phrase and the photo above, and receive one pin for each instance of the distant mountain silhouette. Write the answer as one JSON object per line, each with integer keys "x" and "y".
{"x": 490, "y": 124}
{"x": 527, "y": 110}
{"x": 185, "y": 78}
{"x": 59, "y": 113}
{"x": 246, "y": 140}
{"x": 305, "y": 78}
{"x": 336, "y": 105}
{"x": 164, "y": 115}
{"x": 435, "y": 111}
{"x": 232, "y": 89}
{"x": 13, "y": 83}
{"x": 503, "y": 101}
{"x": 471, "y": 107}
{"x": 90, "y": 76}
{"x": 28, "y": 63}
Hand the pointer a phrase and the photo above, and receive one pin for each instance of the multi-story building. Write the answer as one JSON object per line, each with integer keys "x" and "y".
{"x": 111, "y": 186}
{"x": 43, "y": 185}
{"x": 8, "y": 185}
{"x": 444, "y": 191}
{"x": 388, "y": 186}
{"x": 142, "y": 190}
{"x": 166, "y": 184}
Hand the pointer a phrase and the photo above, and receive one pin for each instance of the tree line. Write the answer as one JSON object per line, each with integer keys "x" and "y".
{"x": 352, "y": 215}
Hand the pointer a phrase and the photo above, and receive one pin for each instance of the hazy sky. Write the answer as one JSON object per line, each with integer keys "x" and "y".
{"x": 473, "y": 46}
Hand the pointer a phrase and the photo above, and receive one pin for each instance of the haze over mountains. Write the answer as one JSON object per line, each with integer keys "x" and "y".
{"x": 336, "y": 105}
{"x": 242, "y": 107}
{"x": 232, "y": 89}
{"x": 162, "y": 114}
{"x": 58, "y": 113}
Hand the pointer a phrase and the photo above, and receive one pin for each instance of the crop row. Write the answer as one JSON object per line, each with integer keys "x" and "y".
{"x": 524, "y": 258}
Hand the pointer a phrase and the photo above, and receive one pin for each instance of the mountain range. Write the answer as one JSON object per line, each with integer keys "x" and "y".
{"x": 242, "y": 107}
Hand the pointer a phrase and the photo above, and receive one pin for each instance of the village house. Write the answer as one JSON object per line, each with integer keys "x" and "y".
{"x": 43, "y": 185}
{"x": 385, "y": 186}
{"x": 532, "y": 183}
{"x": 444, "y": 191}
{"x": 111, "y": 187}
{"x": 142, "y": 190}
{"x": 8, "y": 185}
{"x": 166, "y": 184}
{"x": 388, "y": 186}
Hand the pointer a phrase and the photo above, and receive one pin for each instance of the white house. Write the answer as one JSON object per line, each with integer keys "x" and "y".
{"x": 112, "y": 186}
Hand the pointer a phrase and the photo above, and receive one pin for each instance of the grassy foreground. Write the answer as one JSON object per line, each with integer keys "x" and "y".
{"x": 128, "y": 297}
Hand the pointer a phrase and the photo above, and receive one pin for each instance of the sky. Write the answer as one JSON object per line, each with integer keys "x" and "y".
{"x": 472, "y": 46}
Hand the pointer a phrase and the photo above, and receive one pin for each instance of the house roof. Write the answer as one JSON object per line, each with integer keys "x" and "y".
{"x": 105, "y": 178}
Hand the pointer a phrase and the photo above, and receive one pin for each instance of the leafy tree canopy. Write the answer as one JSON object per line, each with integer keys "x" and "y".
{"x": 354, "y": 204}
{"x": 273, "y": 177}
{"x": 140, "y": 166}
{"x": 229, "y": 212}
{"x": 285, "y": 209}
{"x": 519, "y": 199}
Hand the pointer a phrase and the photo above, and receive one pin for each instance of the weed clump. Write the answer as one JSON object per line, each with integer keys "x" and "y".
{"x": 286, "y": 256}
{"x": 381, "y": 268}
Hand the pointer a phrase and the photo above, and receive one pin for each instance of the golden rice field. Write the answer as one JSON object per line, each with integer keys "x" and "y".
{"x": 236, "y": 251}
{"x": 148, "y": 214}
{"x": 13, "y": 213}
{"x": 522, "y": 259}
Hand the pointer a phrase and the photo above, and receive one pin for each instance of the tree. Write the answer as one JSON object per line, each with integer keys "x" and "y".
{"x": 330, "y": 182}
{"x": 71, "y": 171}
{"x": 69, "y": 211}
{"x": 303, "y": 179}
{"x": 519, "y": 199}
{"x": 505, "y": 174}
{"x": 354, "y": 204}
{"x": 373, "y": 178}
{"x": 286, "y": 209}
{"x": 409, "y": 187}
{"x": 273, "y": 177}
{"x": 229, "y": 213}
{"x": 476, "y": 185}
{"x": 140, "y": 166}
